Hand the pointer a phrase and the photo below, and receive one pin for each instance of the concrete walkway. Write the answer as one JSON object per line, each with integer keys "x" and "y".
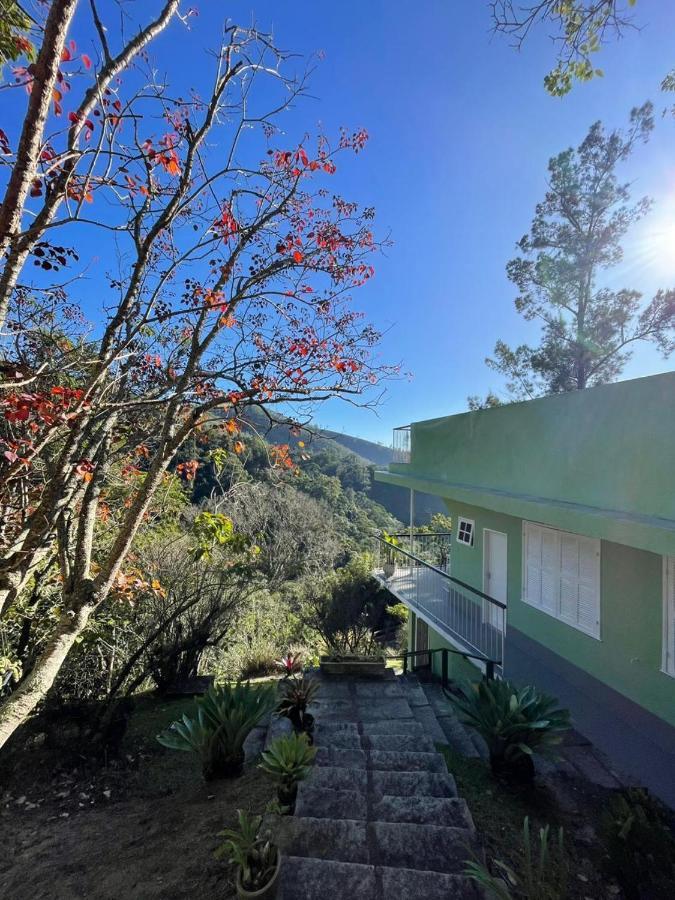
{"x": 379, "y": 817}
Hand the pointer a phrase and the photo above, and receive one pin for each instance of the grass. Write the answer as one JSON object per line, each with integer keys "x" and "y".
{"x": 499, "y": 810}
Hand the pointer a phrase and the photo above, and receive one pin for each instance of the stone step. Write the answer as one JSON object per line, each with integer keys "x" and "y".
{"x": 393, "y": 726}
{"x": 346, "y": 740}
{"x": 427, "y": 719}
{"x": 304, "y": 878}
{"x": 344, "y": 840}
{"x": 408, "y": 784}
{"x": 416, "y": 810}
{"x": 458, "y": 737}
{"x": 413, "y": 884}
{"x": 371, "y": 710}
{"x": 321, "y": 803}
{"x": 408, "y": 742}
{"x": 336, "y": 778}
{"x": 437, "y": 848}
{"x": 405, "y": 761}
{"x": 337, "y": 756}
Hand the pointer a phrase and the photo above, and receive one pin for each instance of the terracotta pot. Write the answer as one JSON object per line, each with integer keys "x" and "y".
{"x": 269, "y": 892}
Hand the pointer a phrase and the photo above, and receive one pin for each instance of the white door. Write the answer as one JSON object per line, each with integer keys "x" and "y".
{"x": 494, "y": 575}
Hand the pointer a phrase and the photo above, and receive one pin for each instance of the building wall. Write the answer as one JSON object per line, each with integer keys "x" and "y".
{"x": 628, "y": 657}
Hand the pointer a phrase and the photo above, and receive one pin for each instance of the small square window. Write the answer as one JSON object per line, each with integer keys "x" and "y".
{"x": 465, "y": 529}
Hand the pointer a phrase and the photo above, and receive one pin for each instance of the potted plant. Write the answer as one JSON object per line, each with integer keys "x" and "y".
{"x": 389, "y": 566}
{"x": 296, "y": 694}
{"x": 513, "y": 722}
{"x": 225, "y": 716}
{"x": 258, "y": 860}
{"x": 289, "y": 760}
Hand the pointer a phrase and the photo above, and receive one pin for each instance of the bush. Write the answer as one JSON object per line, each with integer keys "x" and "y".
{"x": 225, "y": 717}
{"x": 514, "y": 723}
{"x": 289, "y": 760}
{"x": 296, "y": 694}
{"x": 640, "y": 846}
{"x": 256, "y": 859}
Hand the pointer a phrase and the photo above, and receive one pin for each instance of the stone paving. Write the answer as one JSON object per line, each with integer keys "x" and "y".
{"x": 379, "y": 817}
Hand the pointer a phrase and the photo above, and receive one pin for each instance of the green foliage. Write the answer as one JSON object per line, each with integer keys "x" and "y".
{"x": 257, "y": 859}
{"x": 289, "y": 760}
{"x": 514, "y": 723}
{"x": 589, "y": 331}
{"x": 13, "y": 24}
{"x": 297, "y": 692}
{"x": 640, "y": 846}
{"x": 345, "y": 608}
{"x": 213, "y": 530}
{"x": 542, "y": 876}
{"x": 225, "y": 716}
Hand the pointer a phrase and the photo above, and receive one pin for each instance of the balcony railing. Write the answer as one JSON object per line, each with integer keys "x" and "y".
{"x": 431, "y": 547}
{"x": 401, "y": 444}
{"x": 470, "y": 618}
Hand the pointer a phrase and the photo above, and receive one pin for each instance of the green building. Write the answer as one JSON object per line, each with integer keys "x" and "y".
{"x": 562, "y": 558}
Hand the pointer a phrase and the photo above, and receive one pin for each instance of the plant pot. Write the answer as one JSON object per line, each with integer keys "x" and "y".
{"x": 363, "y": 666}
{"x": 388, "y": 569}
{"x": 269, "y": 892}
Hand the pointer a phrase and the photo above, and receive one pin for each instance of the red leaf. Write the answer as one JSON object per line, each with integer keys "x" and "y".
{"x": 87, "y": 62}
{"x": 65, "y": 55}
{"x": 298, "y": 257}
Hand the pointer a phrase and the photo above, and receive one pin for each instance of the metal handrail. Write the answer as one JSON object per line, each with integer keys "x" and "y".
{"x": 489, "y": 663}
{"x": 463, "y": 584}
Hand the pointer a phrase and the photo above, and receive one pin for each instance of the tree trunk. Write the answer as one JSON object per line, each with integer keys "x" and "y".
{"x": 44, "y": 80}
{"x": 20, "y": 704}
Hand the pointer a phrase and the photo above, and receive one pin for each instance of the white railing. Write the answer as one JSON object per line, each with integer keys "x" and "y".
{"x": 401, "y": 444}
{"x": 467, "y": 616}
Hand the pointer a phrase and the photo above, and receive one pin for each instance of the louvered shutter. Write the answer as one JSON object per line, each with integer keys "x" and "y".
{"x": 588, "y": 617}
{"x": 550, "y": 570}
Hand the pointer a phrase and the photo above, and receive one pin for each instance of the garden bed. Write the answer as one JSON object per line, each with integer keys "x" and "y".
{"x": 144, "y": 826}
{"x": 363, "y": 666}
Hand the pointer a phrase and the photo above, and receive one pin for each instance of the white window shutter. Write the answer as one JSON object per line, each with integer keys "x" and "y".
{"x": 562, "y": 576}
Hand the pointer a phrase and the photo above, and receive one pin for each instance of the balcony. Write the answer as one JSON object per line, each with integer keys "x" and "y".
{"x": 416, "y": 570}
{"x": 401, "y": 444}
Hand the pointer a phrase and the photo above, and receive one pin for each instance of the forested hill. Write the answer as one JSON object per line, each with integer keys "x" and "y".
{"x": 350, "y": 462}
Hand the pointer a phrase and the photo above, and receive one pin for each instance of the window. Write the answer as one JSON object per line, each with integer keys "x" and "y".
{"x": 669, "y": 615}
{"x": 465, "y": 528}
{"x": 561, "y": 576}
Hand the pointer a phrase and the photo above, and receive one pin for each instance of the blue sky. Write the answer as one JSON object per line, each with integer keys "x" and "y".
{"x": 461, "y": 133}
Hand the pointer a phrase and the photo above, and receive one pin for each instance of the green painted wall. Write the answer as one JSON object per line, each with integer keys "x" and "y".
{"x": 597, "y": 462}
{"x": 628, "y": 656}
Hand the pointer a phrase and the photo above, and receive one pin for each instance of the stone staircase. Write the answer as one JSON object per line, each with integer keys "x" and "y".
{"x": 379, "y": 817}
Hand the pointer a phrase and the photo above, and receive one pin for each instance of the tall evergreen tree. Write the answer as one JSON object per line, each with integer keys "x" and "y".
{"x": 589, "y": 330}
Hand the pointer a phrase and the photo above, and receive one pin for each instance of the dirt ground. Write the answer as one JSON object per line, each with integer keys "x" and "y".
{"x": 143, "y": 827}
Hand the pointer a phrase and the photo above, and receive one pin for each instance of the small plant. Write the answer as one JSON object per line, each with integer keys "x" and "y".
{"x": 257, "y": 860}
{"x": 296, "y": 694}
{"x": 640, "y": 846}
{"x": 225, "y": 716}
{"x": 391, "y": 543}
{"x": 289, "y": 760}
{"x": 290, "y": 663}
{"x": 514, "y": 723}
{"x": 544, "y": 878}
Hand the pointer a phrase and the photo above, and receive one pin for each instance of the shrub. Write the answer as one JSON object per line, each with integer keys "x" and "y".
{"x": 256, "y": 859}
{"x": 296, "y": 694}
{"x": 640, "y": 846}
{"x": 289, "y": 760}
{"x": 514, "y": 723}
{"x": 225, "y": 716}
{"x": 544, "y": 878}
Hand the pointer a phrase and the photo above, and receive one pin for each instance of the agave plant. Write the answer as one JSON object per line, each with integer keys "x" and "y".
{"x": 257, "y": 860}
{"x": 296, "y": 695}
{"x": 513, "y": 722}
{"x": 225, "y": 715}
{"x": 289, "y": 759}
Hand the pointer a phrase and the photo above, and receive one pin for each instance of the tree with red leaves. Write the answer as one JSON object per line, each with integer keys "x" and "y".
{"x": 230, "y": 266}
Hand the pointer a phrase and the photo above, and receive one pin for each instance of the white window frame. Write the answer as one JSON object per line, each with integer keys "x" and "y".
{"x": 556, "y": 613}
{"x": 668, "y": 644}
{"x": 461, "y": 520}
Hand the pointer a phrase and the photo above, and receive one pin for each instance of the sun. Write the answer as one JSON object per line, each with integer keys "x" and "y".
{"x": 653, "y": 249}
